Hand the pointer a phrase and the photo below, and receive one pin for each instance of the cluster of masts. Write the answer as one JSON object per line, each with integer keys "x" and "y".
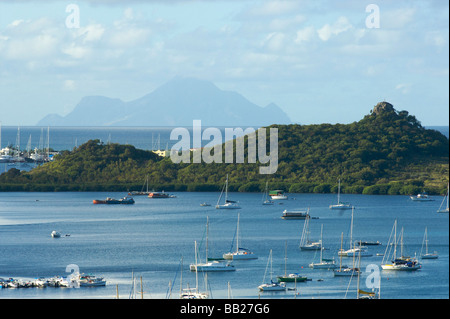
{"x": 14, "y": 154}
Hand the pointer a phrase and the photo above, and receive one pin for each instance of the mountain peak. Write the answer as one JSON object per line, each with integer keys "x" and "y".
{"x": 176, "y": 103}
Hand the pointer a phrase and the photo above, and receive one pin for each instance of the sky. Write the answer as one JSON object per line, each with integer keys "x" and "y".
{"x": 324, "y": 61}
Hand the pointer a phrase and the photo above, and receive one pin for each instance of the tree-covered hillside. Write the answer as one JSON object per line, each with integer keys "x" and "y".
{"x": 387, "y": 152}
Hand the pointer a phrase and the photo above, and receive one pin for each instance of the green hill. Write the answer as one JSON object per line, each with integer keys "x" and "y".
{"x": 387, "y": 152}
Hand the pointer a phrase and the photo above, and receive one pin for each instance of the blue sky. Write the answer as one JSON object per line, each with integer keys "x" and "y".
{"x": 318, "y": 60}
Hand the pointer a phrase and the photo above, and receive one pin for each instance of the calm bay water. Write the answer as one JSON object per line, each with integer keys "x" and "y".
{"x": 149, "y": 239}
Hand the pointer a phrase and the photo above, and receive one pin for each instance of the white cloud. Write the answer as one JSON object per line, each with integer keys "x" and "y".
{"x": 327, "y": 31}
{"x": 75, "y": 51}
{"x": 90, "y": 33}
{"x": 274, "y": 41}
{"x": 305, "y": 35}
{"x": 275, "y": 8}
{"x": 69, "y": 85}
{"x": 31, "y": 48}
{"x": 404, "y": 88}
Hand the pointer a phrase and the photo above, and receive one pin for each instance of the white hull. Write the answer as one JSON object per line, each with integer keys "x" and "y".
{"x": 354, "y": 253}
{"x": 55, "y": 234}
{"x": 228, "y": 206}
{"x": 212, "y": 267}
{"x": 278, "y": 197}
{"x": 240, "y": 256}
{"x": 400, "y": 267}
{"x": 341, "y": 206}
{"x": 273, "y": 287}
{"x": 193, "y": 294}
{"x": 323, "y": 265}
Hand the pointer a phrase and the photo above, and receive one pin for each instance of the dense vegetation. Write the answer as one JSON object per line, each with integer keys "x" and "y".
{"x": 387, "y": 152}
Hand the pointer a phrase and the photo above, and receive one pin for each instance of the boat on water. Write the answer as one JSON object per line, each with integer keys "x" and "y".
{"x": 402, "y": 263}
{"x": 305, "y": 242}
{"x": 55, "y": 234}
{"x": 266, "y": 200}
{"x": 91, "y": 281}
{"x": 427, "y": 255}
{"x": 297, "y": 214}
{"x": 209, "y": 266}
{"x": 277, "y": 194}
{"x": 160, "y": 195}
{"x": 112, "y": 201}
{"x": 343, "y": 269}
{"x": 295, "y": 277}
{"x": 340, "y": 205}
{"x": 229, "y": 204}
{"x": 239, "y": 253}
{"x": 323, "y": 263}
{"x": 368, "y": 243}
{"x": 205, "y": 204}
{"x": 443, "y": 209}
{"x": 272, "y": 285}
{"x": 354, "y": 250}
{"x": 421, "y": 197}
{"x": 142, "y": 191}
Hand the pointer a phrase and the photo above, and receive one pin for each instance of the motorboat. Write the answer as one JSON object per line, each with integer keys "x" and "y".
{"x": 421, "y": 197}
{"x": 297, "y": 214}
{"x": 109, "y": 200}
{"x": 91, "y": 281}
{"x": 55, "y": 234}
{"x": 277, "y": 194}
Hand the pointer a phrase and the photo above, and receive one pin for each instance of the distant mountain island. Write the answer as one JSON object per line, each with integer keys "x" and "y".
{"x": 176, "y": 103}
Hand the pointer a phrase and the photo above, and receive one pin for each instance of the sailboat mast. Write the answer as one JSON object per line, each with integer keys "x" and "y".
{"x": 339, "y": 191}
{"x": 237, "y": 234}
{"x": 207, "y": 231}
{"x": 351, "y": 230}
{"x": 226, "y": 190}
{"x": 321, "y": 242}
{"x": 196, "y": 269}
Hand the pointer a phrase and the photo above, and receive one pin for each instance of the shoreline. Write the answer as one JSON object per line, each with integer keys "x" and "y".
{"x": 376, "y": 189}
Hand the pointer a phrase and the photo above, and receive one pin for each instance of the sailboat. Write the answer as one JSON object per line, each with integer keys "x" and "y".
{"x": 403, "y": 263}
{"x": 324, "y": 263}
{"x": 229, "y": 204}
{"x": 290, "y": 277}
{"x": 339, "y": 204}
{"x": 191, "y": 293}
{"x": 271, "y": 286}
{"x": 344, "y": 270}
{"x": 444, "y": 210}
{"x": 353, "y": 249}
{"x": 427, "y": 255}
{"x": 266, "y": 200}
{"x": 305, "y": 243}
{"x": 239, "y": 253}
{"x": 210, "y": 265}
{"x": 142, "y": 192}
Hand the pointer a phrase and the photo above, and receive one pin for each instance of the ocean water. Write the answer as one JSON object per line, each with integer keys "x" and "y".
{"x": 150, "y": 238}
